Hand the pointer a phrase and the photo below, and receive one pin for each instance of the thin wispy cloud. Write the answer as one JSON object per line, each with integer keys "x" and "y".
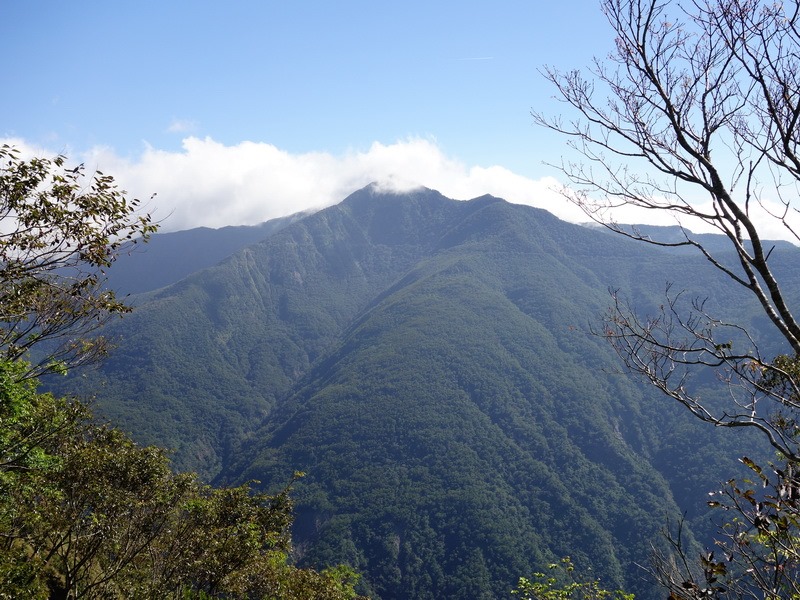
{"x": 182, "y": 126}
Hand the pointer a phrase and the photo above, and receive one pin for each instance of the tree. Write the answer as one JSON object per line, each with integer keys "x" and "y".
{"x": 696, "y": 116}
{"x": 758, "y": 548}
{"x": 60, "y": 230}
{"x": 85, "y": 512}
{"x": 562, "y": 583}
{"x": 758, "y": 543}
{"x": 704, "y": 96}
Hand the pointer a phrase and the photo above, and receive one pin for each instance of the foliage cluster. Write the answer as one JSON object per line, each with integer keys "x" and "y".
{"x": 562, "y": 583}
{"x": 60, "y": 232}
{"x": 87, "y": 513}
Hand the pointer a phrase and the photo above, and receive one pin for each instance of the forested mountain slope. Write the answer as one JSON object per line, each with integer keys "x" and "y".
{"x": 169, "y": 257}
{"x": 427, "y": 363}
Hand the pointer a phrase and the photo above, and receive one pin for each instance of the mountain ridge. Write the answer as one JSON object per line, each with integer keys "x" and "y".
{"x": 427, "y": 362}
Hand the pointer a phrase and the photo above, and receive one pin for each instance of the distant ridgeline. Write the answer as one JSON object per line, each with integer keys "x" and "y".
{"x": 428, "y": 363}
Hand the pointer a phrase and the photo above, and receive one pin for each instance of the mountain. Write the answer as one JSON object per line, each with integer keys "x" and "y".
{"x": 674, "y": 234}
{"x": 427, "y": 363}
{"x": 169, "y": 257}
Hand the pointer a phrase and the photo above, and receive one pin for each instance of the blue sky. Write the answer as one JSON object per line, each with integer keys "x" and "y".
{"x": 217, "y": 107}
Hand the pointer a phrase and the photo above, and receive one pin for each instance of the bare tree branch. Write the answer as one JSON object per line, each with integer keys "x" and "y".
{"x": 694, "y": 115}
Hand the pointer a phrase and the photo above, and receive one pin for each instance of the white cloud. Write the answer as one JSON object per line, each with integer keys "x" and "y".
{"x": 207, "y": 183}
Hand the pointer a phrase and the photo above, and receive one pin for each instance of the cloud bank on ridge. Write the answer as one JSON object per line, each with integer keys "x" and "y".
{"x": 207, "y": 183}
{"x": 211, "y": 184}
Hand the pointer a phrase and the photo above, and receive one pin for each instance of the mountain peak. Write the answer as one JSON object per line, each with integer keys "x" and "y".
{"x": 380, "y": 196}
{"x": 394, "y": 185}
